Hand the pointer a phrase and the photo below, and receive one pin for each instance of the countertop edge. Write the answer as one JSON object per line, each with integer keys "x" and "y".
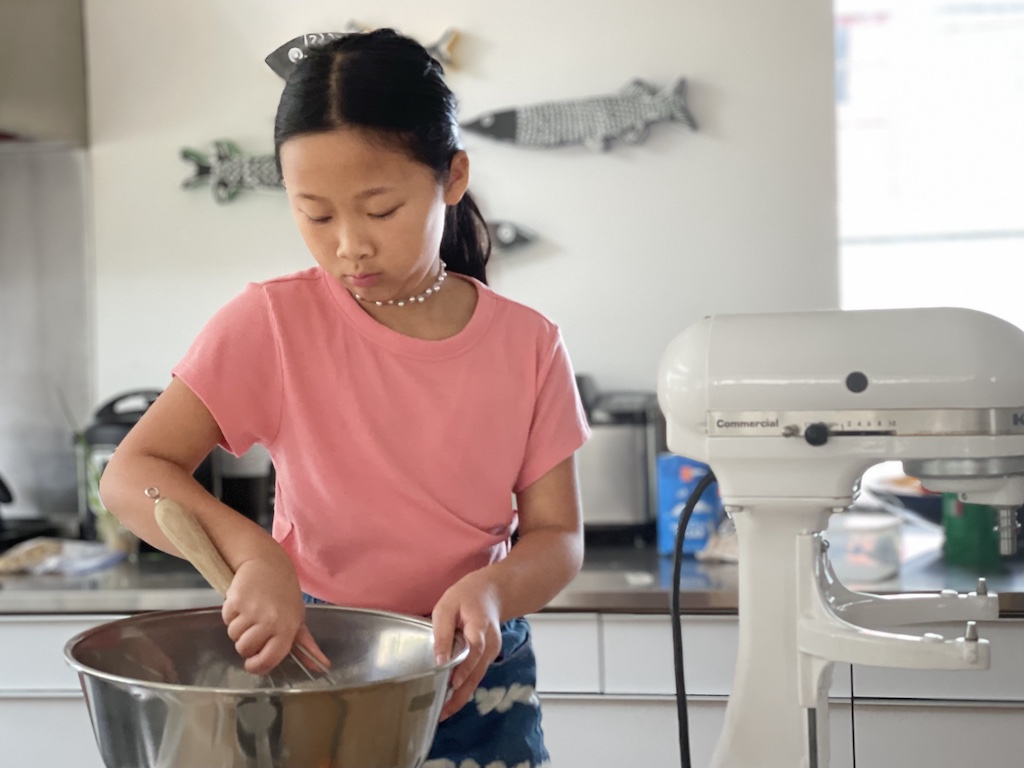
{"x": 653, "y": 601}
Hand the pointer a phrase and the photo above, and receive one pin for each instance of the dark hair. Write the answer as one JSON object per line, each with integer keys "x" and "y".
{"x": 391, "y": 85}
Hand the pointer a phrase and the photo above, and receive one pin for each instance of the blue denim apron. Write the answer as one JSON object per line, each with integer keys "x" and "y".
{"x": 500, "y": 727}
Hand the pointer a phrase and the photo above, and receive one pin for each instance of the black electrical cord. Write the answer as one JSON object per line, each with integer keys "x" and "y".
{"x": 853, "y": 723}
{"x": 677, "y": 629}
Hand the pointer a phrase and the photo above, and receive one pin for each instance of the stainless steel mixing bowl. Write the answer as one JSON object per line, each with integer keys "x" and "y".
{"x": 168, "y": 690}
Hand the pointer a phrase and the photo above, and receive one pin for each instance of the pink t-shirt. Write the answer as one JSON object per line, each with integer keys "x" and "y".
{"x": 396, "y": 457}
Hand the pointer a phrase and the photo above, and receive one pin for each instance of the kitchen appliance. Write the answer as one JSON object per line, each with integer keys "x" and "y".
{"x": 168, "y": 688}
{"x": 617, "y": 466}
{"x": 244, "y": 483}
{"x": 6, "y": 497}
{"x": 15, "y": 531}
{"x": 789, "y": 410}
{"x": 94, "y": 447}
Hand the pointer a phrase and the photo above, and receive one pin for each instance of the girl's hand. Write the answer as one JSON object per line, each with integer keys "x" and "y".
{"x": 470, "y": 606}
{"x": 265, "y": 615}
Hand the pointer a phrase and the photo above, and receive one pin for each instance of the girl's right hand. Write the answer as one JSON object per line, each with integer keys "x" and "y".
{"x": 265, "y": 615}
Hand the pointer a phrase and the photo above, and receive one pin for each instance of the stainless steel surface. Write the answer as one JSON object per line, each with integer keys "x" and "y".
{"x": 617, "y": 467}
{"x": 613, "y": 475}
{"x": 948, "y": 421}
{"x": 999, "y": 466}
{"x": 1008, "y": 529}
{"x": 168, "y": 689}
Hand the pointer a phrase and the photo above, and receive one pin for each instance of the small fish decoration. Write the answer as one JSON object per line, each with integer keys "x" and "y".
{"x": 593, "y": 122}
{"x": 229, "y": 171}
{"x": 283, "y": 60}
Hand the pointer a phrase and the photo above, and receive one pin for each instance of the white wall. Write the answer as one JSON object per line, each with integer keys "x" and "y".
{"x": 636, "y": 243}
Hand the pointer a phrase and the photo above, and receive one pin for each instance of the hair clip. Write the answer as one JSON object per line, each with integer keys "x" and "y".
{"x": 284, "y": 58}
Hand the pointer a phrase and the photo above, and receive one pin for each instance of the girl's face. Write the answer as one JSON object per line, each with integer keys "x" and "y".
{"x": 371, "y": 215}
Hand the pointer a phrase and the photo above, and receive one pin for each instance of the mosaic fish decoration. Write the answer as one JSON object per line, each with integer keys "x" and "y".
{"x": 229, "y": 171}
{"x": 284, "y": 58}
{"x": 593, "y": 122}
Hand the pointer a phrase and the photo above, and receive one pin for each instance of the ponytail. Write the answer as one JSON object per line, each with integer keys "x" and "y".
{"x": 466, "y": 243}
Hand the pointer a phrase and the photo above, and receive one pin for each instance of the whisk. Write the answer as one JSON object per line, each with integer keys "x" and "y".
{"x": 185, "y": 531}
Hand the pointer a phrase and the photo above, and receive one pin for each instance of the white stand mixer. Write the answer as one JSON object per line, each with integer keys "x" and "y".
{"x": 789, "y": 410}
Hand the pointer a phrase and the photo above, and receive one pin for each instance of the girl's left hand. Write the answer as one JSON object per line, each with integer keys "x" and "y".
{"x": 470, "y": 606}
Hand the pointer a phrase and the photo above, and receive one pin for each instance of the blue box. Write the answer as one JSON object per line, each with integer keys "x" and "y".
{"x": 677, "y": 477}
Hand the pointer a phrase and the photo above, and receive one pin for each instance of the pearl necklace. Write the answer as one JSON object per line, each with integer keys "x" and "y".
{"x": 418, "y": 298}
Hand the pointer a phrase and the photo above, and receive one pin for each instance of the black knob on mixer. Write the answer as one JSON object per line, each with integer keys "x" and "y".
{"x": 816, "y": 434}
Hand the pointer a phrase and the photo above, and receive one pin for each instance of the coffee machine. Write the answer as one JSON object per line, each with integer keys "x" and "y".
{"x": 246, "y": 483}
{"x": 617, "y": 466}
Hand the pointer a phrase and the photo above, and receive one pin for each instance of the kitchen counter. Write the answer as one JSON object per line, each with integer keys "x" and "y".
{"x": 638, "y": 581}
{"x": 613, "y": 580}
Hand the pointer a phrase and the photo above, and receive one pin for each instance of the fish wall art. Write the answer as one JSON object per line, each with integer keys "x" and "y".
{"x": 284, "y": 58}
{"x": 593, "y": 122}
{"x": 229, "y": 171}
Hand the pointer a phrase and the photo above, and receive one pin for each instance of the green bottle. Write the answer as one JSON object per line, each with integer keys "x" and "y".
{"x": 971, "y": 536}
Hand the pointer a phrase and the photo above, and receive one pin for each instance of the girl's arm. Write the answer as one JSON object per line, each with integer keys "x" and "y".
{"x": 263, "y": 609}
{"x": 546, "y": 558}
{"x": 163, "y": 450}
{"x": 549, "y": 552}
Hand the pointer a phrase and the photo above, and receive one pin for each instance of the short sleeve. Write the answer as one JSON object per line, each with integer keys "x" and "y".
{"x": 559, "y": 425}
{"x": 233, "y": 366}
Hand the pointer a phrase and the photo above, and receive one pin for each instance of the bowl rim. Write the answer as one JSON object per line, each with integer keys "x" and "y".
{"x": 459, "y": 653}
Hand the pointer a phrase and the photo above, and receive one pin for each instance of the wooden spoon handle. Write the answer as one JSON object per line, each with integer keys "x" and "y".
{"x": 188, "y": 535}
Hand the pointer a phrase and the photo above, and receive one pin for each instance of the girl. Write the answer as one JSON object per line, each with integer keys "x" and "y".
{"x": 402, "y": 401}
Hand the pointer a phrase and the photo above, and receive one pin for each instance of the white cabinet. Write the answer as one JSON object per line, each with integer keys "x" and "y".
{"x": 568, "y": 650}
{"x": 638, "y": 656}
{"x": 624, "y": 731}
{"x": 44, "y": 721}
{"x": 920, "y": 717}
{"x": 938, "y": 734}
{"x": 840, "y": 736}
{"x": 912, "y": 718}
{"x": 43, "y": 730}
{"x": 607, "y": 685}
{"x": 606, "y": 682}
{"x": 33, "y": 651}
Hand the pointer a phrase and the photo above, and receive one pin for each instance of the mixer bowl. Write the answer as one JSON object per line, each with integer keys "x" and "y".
{"x": 167, "y": 689}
